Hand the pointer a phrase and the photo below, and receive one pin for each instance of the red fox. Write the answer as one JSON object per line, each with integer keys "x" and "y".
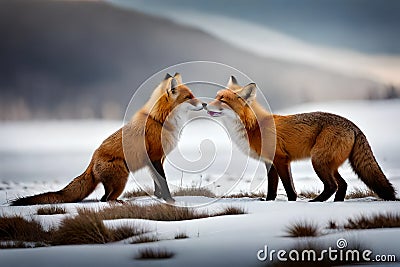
{"x": 136, "y": 145}
{"x": 326, "y": 138}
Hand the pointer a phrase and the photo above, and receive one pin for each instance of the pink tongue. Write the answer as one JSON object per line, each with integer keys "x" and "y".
{"x": 212, "y": 113}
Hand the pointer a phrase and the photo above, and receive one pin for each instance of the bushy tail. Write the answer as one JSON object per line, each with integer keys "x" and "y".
{"x": 75, "y": 191}
{"x": 368, "y": 170}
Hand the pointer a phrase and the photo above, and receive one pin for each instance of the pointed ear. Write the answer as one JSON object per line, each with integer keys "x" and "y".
{"x": 248, "y": 92}
{"x": 232, "y": 81}
{"x": 178, "y": 77}
{"x": 167, "y": 76}
{"x": 171, "y": 88}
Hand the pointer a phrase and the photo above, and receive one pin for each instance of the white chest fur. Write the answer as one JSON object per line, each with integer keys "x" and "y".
{"x": 238, "y": 135}
{"x": 172, "y": 130}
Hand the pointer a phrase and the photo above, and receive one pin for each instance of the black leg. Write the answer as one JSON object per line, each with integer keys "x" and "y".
{"x": 157, "y": 165}
{"x": 283, "y": 168}
{"x": 161, "y": 189}
{"x": 273, "y": 180}
{"x": 324, "y": 173}
{"x": 342, "y": 187}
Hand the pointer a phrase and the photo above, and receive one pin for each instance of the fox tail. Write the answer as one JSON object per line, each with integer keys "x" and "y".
{"x": 368, "y": 170}
{"x": 75, "y": 191}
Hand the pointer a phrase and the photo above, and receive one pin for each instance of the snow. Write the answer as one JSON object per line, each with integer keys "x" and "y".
{"x": 225, "y": 240}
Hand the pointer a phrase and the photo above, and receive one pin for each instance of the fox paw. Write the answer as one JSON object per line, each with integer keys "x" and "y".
{"x": 118, "y": 201}
{"x": 170, "y": 200}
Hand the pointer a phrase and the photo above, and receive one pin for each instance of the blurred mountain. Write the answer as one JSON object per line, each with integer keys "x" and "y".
{"x": 367, "y": 26}
{"x": 85, "y": 59}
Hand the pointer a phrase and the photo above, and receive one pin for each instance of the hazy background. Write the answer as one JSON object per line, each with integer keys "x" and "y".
{"x": 69, "y": 68}
{"x": 84, "y": 59}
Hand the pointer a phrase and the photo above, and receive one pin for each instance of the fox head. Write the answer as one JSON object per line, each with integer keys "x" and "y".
{"x": 234, "y": 101}
{"x": 171, "y": 94}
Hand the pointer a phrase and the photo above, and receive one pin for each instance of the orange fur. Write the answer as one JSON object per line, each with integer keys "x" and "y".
{"x": 326, "y": 138}
{"x": 136, "y": 145}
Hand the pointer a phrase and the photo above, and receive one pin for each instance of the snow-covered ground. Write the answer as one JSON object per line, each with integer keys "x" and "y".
{"x": 42, "y": 156}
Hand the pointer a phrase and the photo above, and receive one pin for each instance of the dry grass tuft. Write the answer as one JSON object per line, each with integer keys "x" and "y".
{"x": 16, "y": 228}
{"x": 231, "y": 210}
{"x": 361, "y": 193}
{"x": 247, "y": 194}
{"x": 309, "y": 194}
{"x": 88, "y": 228}
{"x": 156, "y": 212}
{"x": 125, "y": 231}
{"x": 82, "y": 229}
{"x": 136, "y": 193}
{"x": 388, "y": 220}
{"x": 160, "y": 212}
{"x": 153, "y": 253}
{"x": 303, "y": 229}
{"x": 145, "y": 239}
{"x": 194, "y": 191}
{"x": 332, "y": 225}
{"x": 181, "y": 235}
{"x": 51, "y": 210}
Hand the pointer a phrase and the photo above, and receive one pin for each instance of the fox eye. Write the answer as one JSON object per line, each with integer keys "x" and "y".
{"x": 222, "y": 100}
{"x": 188, "y": 97}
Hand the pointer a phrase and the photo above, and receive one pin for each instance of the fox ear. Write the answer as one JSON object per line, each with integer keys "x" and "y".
{"x": 178, "y": 77}
{"x": 248, "y": 92}
{"x": 172, "y": 87}
{"x": 167, "y": 76}
{"x": 232, "y": 81}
